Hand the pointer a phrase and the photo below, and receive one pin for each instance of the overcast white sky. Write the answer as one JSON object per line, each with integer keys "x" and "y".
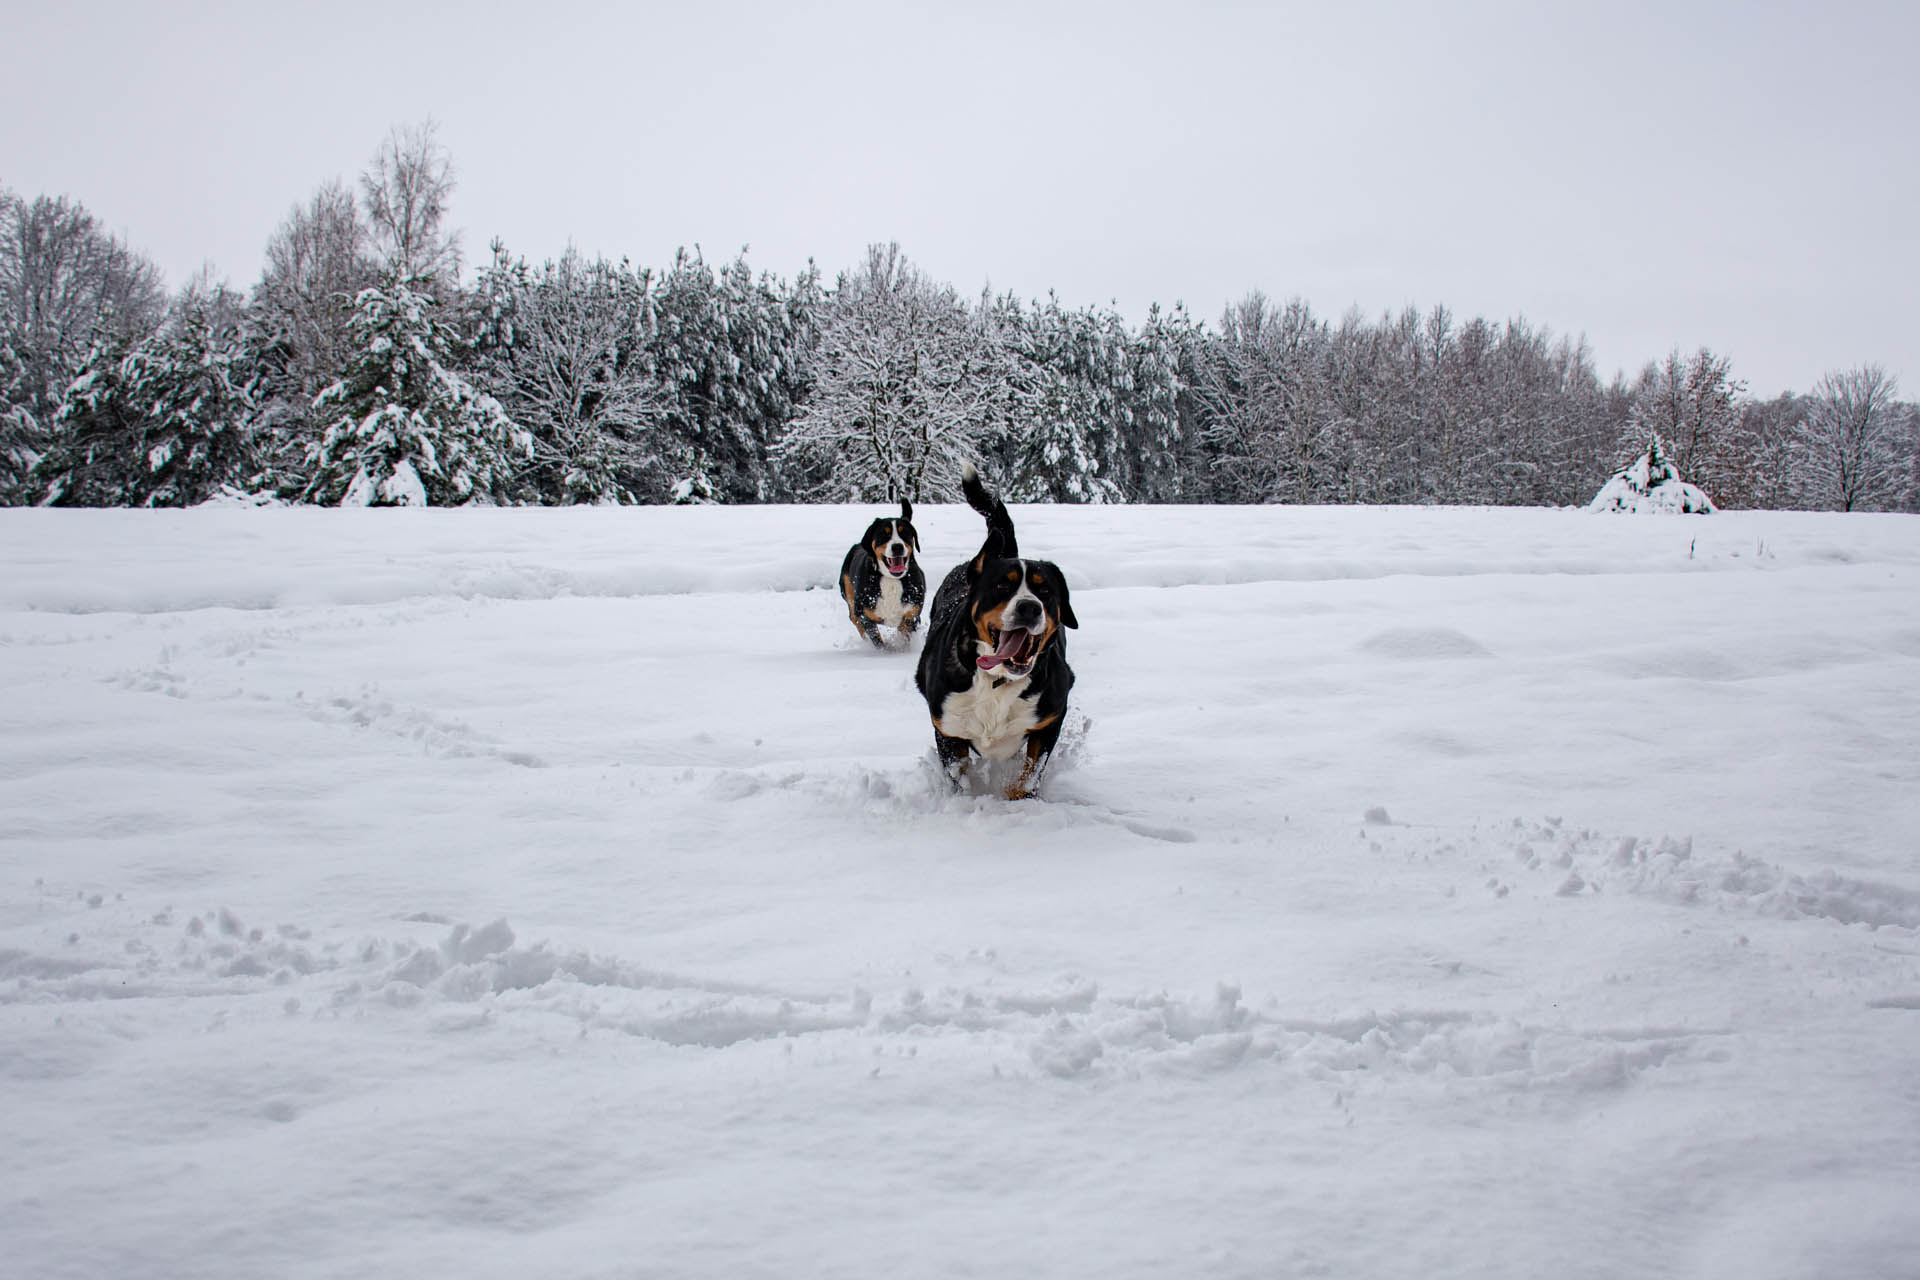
{"x": 1739, "y": 175}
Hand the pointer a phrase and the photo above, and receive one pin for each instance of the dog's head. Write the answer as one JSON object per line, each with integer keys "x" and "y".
{"x": 893, "y": 541}
{"x": 1017, "y": 608}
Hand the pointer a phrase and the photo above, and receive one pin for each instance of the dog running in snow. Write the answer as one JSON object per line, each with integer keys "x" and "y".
{"x": 994, "y": 670}
{"x": 881, "y": 579}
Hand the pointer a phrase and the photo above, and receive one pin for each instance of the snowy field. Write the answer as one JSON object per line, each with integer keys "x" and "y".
{"x": 1421, "y": 893}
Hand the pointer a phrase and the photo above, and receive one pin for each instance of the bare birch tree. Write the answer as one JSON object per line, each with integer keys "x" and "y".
{"x": 406, "y": 193}
{"x": 64, "y": 284}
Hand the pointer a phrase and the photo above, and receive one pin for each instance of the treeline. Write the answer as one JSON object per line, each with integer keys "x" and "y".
{"x": 360, "y": 369}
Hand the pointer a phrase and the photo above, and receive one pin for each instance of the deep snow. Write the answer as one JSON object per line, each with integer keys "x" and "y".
{"x": 504, "y": 893}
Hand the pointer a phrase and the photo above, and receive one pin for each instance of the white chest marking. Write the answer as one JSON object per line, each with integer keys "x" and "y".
{"x": 996, "y": 721}
{"x": 889, "y": 607}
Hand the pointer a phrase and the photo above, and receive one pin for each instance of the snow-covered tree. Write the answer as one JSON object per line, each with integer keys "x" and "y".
{"x": 565, "y": 350}
{"x": 1277, "y": 432}
{"x": 64, "y": 284}
{"x": 1849, "y": 444}
{"x": 1693, "y": 404}
{"x": 165, "y": 422}
{"x": 1069, "y": 379}
{"x": 20, "y": 436}
{"x": 194, "y": 385}
{"x": 1756, "y": 458}
{"x": 904, "y": 390}
{"x": 406, "y": 428}
{"x": 1651, "y": 483}
{"x": 96, "y": 431}
{"x": 730, "y": 351}
{"x": 317, "y": 262}
{"x": 1155, "y": 438}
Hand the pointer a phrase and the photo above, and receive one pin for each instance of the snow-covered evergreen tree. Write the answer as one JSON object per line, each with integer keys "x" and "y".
{"x": 20, "y": 436}
{"x": 728, "y": 349}
{"x": 406, "y": 428}
{"x": 95, "y": 434}
{"x": 1065, "y": 423}
{"x": 165, "y": 422}
{"x": 1155, "y": 436}
{"x": 1651, "y": 483}
{"x": 193, "y": 387}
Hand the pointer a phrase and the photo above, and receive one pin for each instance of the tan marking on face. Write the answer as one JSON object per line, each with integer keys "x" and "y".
{"x": 985, "y": 624}
{"x": 1046, "y": 633}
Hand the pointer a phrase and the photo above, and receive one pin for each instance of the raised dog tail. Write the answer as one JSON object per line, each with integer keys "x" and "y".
{"x": 1000, "y": 543}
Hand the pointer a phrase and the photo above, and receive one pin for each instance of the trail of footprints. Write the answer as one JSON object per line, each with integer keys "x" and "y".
{"x": 91, "y": 946}
{"x": 439, "y": 975}
{"x": 1546, "y": 854}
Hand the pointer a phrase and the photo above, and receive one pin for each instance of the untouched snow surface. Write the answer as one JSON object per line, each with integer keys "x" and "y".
{"x": 567, "y": 893}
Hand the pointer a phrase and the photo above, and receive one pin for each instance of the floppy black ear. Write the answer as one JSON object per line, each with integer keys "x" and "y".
{"x": 1066, "y": 606}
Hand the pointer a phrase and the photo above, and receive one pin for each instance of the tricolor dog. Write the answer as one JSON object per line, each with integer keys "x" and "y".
{"x": 994, "y": 670}
{"x": 881, "y": 579}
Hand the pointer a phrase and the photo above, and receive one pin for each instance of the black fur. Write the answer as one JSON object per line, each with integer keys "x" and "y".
{"x": 949, "y": 663}
{"x": 861, "y": 577}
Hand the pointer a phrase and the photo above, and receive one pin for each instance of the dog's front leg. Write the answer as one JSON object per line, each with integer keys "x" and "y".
{"x": 954, "y": 754}
{"x": 1039, "y": 749}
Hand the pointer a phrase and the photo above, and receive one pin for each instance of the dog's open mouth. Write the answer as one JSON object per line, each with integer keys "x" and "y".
{"x": 894, "y": 567}
{"x": 1015, "y": 650}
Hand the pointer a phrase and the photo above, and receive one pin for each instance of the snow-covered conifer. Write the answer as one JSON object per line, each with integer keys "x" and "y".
{"x": 20, "y": 434}
{"x": 95, "y": 433}
{"x": 729, "y": 349}
{"x": 405, "y": 427}
{"x": 165, "y": 422}
{"x": 193, "y": 390}
{"x": 1155, "y": 438}
{"x": 1651, "y": 483}
{"x": 1066, "y": 418}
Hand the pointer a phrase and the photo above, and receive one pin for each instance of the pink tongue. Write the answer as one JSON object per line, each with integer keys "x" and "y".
{"x": 896, "y": 566}
{"x": 1010, "y": 642}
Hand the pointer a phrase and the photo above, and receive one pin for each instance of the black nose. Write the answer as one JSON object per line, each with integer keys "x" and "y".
{"x": 1026, "y": 613}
